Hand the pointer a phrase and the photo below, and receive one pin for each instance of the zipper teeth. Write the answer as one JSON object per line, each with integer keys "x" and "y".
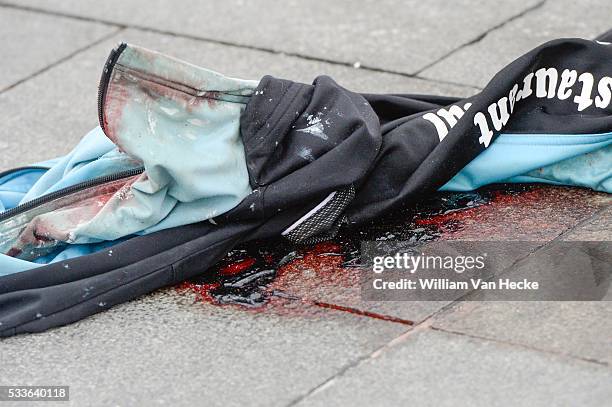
{"x": 67, "y": 191}
{"x": 102, "y": 87}
{"x": 24, "y": 168}
{"x": 104, "y": 79}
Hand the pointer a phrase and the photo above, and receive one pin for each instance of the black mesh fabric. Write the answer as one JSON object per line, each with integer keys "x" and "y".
{"x": 323, "y": 224}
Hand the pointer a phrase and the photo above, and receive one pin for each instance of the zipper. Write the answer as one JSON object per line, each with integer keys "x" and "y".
{"x": 24, "y": 168}
{"x": 102, "y": 88}
{"x": 67, "y": 191}
{"x": 104, "y": 80}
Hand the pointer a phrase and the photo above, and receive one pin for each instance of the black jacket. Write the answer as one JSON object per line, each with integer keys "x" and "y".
{"x": 379, "y": 153}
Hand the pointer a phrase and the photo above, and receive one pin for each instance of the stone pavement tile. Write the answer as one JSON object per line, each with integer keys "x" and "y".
{"x": 580, "y": 329}
{"x": 598, "y": 228}
{"x": 33, "y": 41}
{"x": 432, "y": 368}
{"x": 395, "y": 35}
{"x": 163, "y": 350}
{"x": 476, "y": 64}
{"x": 46, "y": 116}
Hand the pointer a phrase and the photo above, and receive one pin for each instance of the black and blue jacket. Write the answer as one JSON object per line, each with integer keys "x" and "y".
{"x": 187, "y": 163}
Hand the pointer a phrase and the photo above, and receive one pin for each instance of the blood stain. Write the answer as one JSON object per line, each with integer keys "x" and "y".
{"x": 260, "y": 273}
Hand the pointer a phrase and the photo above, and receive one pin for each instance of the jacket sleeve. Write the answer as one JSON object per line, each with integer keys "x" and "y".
{"x": 560, "y": 88}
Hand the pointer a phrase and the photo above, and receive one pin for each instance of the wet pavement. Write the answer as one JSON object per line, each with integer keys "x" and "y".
{"x": 275, "y": 324}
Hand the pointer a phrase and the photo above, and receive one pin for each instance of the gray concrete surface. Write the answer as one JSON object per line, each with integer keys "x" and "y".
{"x": 34, "y": 42}
{"x": 580, "y": 329}
{"x": 394, "y": 35}
{"x": 597, "y": 228}
{"x": 577, "y": 329}
{"x": 434, "y": 368}
{"x": 476, "y": 63}
{"x": 164, "y": 349}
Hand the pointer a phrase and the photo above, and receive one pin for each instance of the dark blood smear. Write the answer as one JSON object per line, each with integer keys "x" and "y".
{"x": 245, "y": 276}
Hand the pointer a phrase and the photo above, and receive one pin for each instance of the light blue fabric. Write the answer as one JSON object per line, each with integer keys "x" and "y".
{"x": 94, "y": 156}
{"x": 14, "y": 186}
{"x": 560, "y": 159}
{"x": 183, "y": 122}
{"x": 178, "y": 121}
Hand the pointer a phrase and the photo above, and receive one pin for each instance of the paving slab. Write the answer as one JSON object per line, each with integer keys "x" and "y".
{"x": 33, "y": 41}
{"x": 574, "y": 328}
{"x": 47, "y": 115}
{"x": 162, "y": 350}
{"x": 432, "y": 368}
{"x": 581, "y": 329}
{"x": 598, "y": 228}
{"x": 396, "y": 35}
{"x": 476, "y": 64}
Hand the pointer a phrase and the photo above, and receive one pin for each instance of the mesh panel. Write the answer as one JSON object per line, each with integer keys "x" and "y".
{"x": 322, "y": 224}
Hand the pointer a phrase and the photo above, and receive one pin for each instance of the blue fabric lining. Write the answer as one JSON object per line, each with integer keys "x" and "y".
{"x": 15, "y": 186}
{"x": 558, "y": 159}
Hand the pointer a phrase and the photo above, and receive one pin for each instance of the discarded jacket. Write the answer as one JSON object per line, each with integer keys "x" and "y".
{"x": 188, "y": 163}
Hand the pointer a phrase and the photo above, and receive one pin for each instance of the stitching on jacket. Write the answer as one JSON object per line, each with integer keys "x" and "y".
{"x": 258, "y": 147}
{"x": 258, "y": 128}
